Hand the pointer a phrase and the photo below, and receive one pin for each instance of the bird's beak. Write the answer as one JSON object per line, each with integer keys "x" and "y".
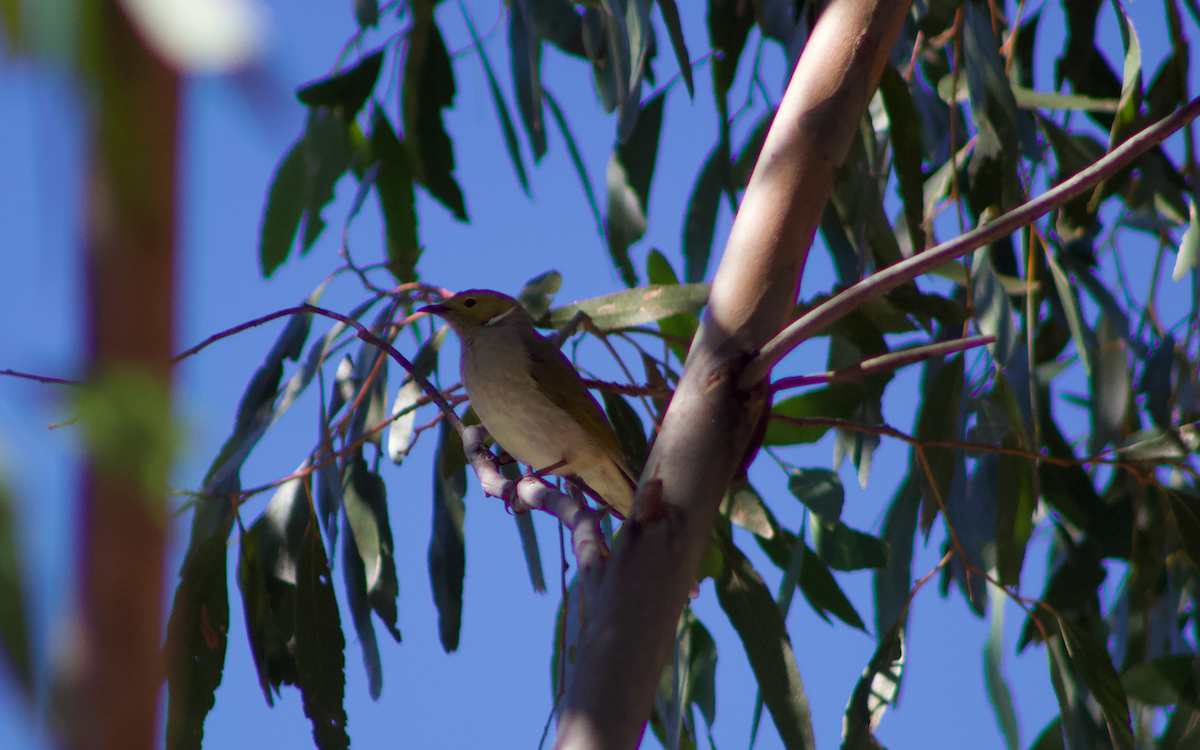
{"x": 434, "y": 309}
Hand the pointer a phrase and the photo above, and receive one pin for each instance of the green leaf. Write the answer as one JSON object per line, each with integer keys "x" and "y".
{"x": 670, "y": 14}
{"x": 197, "y": 634}
{"x": 365, "y": 505}
{"x": 506, "y": 123}
{"x": 529, "y": 546}
{"x": 729, "y": 23}
{"x": 1095, "y": 666}
{"x": 447, "y": 547}
{"x": 905, "y": 131}
{"x": 366, "y": 13}
{"x": 267, "y": 565}
{"x": 892, "y": 583}
{"x": 428, "y": 88}
{"x": 326, "y": 159}
{"x": 319, "y": 644}
{"x": 1069, "y": 591}
{"x": 1112, "y": 382}
{"x": 820, "y": 490}
{"x": 630, "y": 172}
{"x": 576, "y": 157}
{"x": 681, "y": 327}
{"x": 401, "y": 430}
{"x": 937, "y": 421}
{"x": 630, "y": 433}
{"x": 397, "y": 198}
{"x": 261, "y": 621}
{"x": 525, "y": 57}
{"x": 1130, "y": 106}
{"x": 1161, "y": 682}
{"x": 559, "y": 23}
{"x": 14, "y": 638}
{"x": 538, "y": 293}
{"x": 835, "y": 401}
{"x": 286, "y": 201}
{"x": 1051, "y": 737}
{"x": 756, "y": 618}
{"x": 634, "y": 307}
{"x": 703, "y": 206}
{"x": 998, "y": 690}
{"x": 1186, "y": 510}
{"x": 823, "y": 593}
{"x": 1015, "y": 504}
{"x": 702, "y": 672}
{"x": 878, "y": 686}
{"x": 843, "y": 548}
{"x": 1189, "y": 245}
{"x": 744, "y": 506}
{"x": 345, "y": 92}
{"x": 1070, "y": 302}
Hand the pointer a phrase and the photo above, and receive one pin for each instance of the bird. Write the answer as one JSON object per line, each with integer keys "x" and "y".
{"x": 531, "y": 399}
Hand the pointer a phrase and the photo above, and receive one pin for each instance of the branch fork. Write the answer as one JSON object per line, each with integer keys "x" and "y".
{"x": 531, "y": 492}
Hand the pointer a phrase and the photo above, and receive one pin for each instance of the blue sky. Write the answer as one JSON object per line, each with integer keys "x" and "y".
{"x": 495, "y": 690}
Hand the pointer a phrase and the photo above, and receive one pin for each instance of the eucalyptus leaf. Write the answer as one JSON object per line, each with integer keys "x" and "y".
{"x": 447, "y": 548}
{"x": 320, "y": 661}
{"x": 346, "y": 91}
{"x": 635, "y": 307}
{"x": 428, "y": 88}
{"x": 835, "y": 401}
{"x": 630, "y": 172}
{"x": 756, "y": 618}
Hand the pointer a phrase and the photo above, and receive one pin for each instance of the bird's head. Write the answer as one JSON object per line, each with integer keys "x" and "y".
{"x": 475, "y": 309}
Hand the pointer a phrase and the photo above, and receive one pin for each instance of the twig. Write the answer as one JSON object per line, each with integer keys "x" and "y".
{"x": 40, "y": 378}
{"x": 884, "y": 363}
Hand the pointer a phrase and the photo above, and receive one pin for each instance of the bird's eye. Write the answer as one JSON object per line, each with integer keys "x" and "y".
{"x": 469, "y": 302}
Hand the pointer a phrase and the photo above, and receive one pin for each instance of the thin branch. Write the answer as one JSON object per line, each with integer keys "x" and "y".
{"x": 884, "y": 363}
{"x": 898, "y": 273}
{"x": 40, "y": 378}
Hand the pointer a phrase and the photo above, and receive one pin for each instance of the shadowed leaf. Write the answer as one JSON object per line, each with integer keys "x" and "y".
{"x": 345, "y": 92}
{"x": 1092, "y": 660}
{"x": 630, "y": 172}
{"x": 937, "y": 421}
{"x": 905, "y": 132}
{"x": 397, "y": 198}
{"x": 844, "y": 548}
{"x": 819, "y": 489}
{"x": 670, "y": 13}
{"x": 878, "y": 686}
{"x": 285, "y": 208}
{"x": 428, "y": 88}
{"x": 197, "y": 634}
{"x": 835, "y": 401}
{"x": 757, "y": 619}
{"x": 319, "y": 645}
{"x": 14, "y": 640}
{"x": 447, "y": 548}
{"x": 700, "y": 222}
{"x": 628, "y": 426}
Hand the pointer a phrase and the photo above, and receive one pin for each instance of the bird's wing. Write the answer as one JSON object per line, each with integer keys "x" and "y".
{"x": 559, "y": 380}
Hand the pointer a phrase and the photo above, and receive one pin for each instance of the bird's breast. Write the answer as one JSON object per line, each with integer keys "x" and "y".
{"x": 515, "y": 411}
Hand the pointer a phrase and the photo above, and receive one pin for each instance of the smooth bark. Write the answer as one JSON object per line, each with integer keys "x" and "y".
{"x": 711, "y": 420}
